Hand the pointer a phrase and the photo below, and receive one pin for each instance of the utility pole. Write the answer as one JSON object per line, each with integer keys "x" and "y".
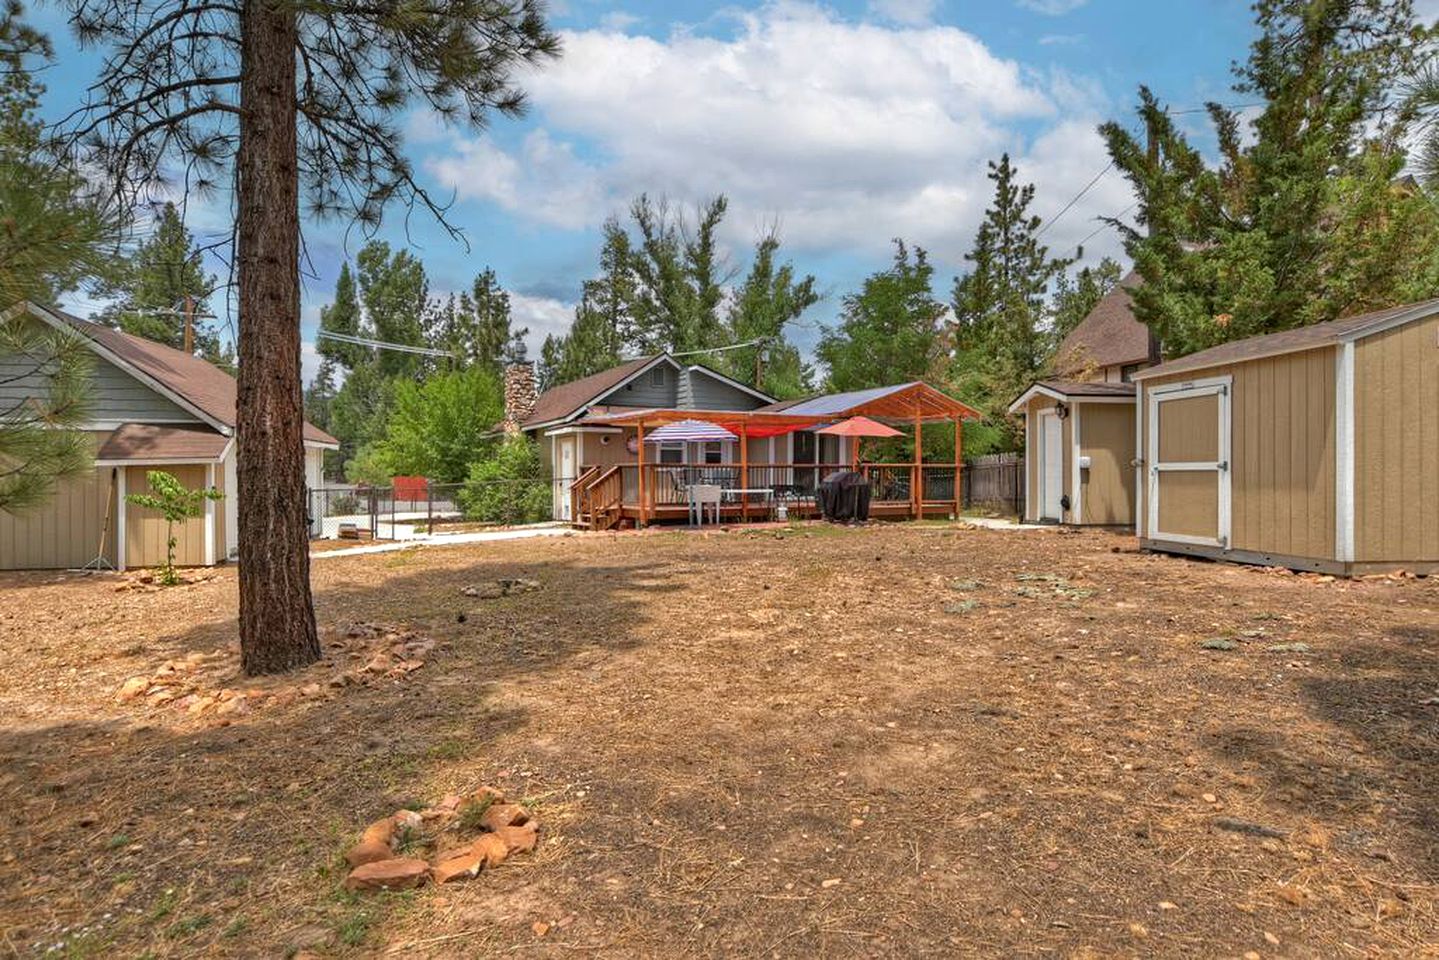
{"x": 189, "y": 324}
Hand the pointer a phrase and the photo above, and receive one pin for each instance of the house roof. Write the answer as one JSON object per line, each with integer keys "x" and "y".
{"x": 201, "y": 385}
{"x": 1073, "y": 390}
{"x": 1293, "y": 341}
{"x": 559, "y": 402}
{"x": 1109, "y": 335}
{"x": 562, "y": 402}
{"x": 901, "y": 402}
{"x": 154, "y": 443}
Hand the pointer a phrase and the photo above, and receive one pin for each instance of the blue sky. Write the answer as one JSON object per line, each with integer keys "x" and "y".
{"x": 845, "y": 124}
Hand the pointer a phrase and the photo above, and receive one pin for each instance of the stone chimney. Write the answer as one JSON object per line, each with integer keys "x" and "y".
{"x": 520, "y": 396}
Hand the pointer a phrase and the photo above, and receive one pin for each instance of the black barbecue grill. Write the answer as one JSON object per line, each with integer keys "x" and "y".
{"x": 844, "y": 497}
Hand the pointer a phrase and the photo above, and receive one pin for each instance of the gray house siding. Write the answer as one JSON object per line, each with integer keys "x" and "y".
{"x": 711, "y": 393}
{"x": 655, "y": 387}
{"x": 114, "y": 394}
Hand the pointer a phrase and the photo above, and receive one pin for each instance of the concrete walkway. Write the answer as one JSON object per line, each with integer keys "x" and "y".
{"x": 453, "y": 539}
{"x": 999, "y": 523}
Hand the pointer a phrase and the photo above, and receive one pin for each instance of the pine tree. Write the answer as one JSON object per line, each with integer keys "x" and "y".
{"x": 890, "y": 331}
{"x": 1075, "y": 296}
{"x": 1001, "y": 335}
{"x": 396, "y": 297}
{"x": 476, "y": 326}
{"x": 1304, "y": 219}
{"x": 342, "y": 316}
{"x": 54, "y": 236}
{"x": 152, "y": 288}
{"x": 290, "y": 99}
{"x": 769, "y": 298}
{"x": 1000, "y": 305}
{"x": 675, "y": 277}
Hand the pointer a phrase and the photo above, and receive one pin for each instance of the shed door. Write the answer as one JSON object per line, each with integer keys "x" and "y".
{"x": 1051, "y": 467}
{"x": 1189, "y": 463}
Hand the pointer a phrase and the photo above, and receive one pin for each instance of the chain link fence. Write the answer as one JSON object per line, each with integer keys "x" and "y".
{"x": 412, "y": 511}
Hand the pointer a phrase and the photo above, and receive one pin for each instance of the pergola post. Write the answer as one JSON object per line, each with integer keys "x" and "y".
{"x": 918, "y": 485}
{"x": 744, "y": 470}
{"x": 958, "y": 465}
{"x": 640, "y": 429}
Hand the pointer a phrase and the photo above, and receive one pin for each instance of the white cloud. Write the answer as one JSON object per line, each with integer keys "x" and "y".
{"x": 845, "y": 133}
{"x": 1051, "y": 8}
{"x": 543, "y": 316}
{"x": 911, "y": 12}
{"x": 309, "y": 362}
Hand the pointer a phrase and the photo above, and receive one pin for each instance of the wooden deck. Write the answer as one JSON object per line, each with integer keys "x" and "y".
{"x": 602, "y": 498}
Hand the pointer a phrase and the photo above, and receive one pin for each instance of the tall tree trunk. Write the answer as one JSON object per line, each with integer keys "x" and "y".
{"x": 277, "y": 620}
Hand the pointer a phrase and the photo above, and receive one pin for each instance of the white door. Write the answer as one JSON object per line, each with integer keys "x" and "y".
{"x": 1188, "y": 455}
{"x": 1051, "y": 466}
{"x": 567, "y": 475}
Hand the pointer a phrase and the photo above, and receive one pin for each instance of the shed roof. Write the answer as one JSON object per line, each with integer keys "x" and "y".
{"x": 154, "y": 443}
{"x": 1109, "y": 335}
{"x": 199, "y": 383}
{"x": 1073, "y": 390}
{"x": 1311, "y": 337}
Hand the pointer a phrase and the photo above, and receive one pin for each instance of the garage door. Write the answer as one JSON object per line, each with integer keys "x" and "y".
{"x": 1189, "y": 463}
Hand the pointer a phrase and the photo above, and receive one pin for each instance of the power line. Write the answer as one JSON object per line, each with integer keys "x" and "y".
{"x": 384, "y": 345}
{"x": 1087, "y": 187}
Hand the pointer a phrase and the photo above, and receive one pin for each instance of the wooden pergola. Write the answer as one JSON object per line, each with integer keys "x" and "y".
{"x": 914, "y": 404}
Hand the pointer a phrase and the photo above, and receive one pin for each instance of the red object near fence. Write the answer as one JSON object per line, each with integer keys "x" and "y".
{"x": 411, "y": 488}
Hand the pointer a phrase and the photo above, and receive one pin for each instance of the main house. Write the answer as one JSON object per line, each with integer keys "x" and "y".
{"x": 592, "y": 437}
{"x": 153, "y": 407}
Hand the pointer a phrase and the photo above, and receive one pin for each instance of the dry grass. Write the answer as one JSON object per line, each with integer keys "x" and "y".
{"x": 713, "y": 727}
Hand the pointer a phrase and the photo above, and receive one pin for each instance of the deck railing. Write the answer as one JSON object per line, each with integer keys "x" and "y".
{"x": 921, "y": 490}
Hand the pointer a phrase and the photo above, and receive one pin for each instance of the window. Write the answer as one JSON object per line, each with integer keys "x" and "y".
{"x": 672, "y": 453}
{"x": 713, "y": 452}
{"x": 657, "y": 377}
{"x": 1127, "y": 372}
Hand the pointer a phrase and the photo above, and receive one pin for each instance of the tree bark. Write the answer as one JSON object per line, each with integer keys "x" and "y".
{"x": 277, "y": 619}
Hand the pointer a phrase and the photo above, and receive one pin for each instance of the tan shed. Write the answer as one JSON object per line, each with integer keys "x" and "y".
{"x": 1079, "y": 452}
{"x": 1315, "y": 448}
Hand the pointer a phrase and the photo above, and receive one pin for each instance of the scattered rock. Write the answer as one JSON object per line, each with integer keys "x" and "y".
{"x": 500, "y": 815}
{"x": 368, "y": 851}
{"x": 495, "y": 589}
{"x": 518, "y": 839}
{"x": 399, "y": 873}
{"x": 1247, "y": 826}
{"x": 1289, "y": 648}
{"x": 132, "y": 688}
{"x": 963, "y": 606}
{"x": 1219, "y": 643}
{"x": 462, "y": 867}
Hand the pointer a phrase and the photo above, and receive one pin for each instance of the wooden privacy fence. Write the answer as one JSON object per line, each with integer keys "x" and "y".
{"x": 994, "y": 482}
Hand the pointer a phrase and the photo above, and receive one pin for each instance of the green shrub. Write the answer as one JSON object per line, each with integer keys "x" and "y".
{"x": 509, "y": 486}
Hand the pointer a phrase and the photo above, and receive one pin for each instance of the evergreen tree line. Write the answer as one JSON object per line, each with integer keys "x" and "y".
{"x": 1305, "y": 216}
{"x": 398, "y": 413}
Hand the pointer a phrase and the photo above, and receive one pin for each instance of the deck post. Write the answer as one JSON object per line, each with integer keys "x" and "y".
{"x": 958, "y": 465}
{"x": 744, "y": 470}
{"x": 640, "y": 432}
{"x": 917, "y": 487}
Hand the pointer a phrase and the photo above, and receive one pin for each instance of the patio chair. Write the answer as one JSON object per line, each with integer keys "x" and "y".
{"x": 701, "y": 495}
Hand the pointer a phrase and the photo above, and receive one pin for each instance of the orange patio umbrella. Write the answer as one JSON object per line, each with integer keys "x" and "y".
{"x": 859, "y": 428}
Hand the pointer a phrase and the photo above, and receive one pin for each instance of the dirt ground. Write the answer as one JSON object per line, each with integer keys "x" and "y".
{"x": 890, "y": 741}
